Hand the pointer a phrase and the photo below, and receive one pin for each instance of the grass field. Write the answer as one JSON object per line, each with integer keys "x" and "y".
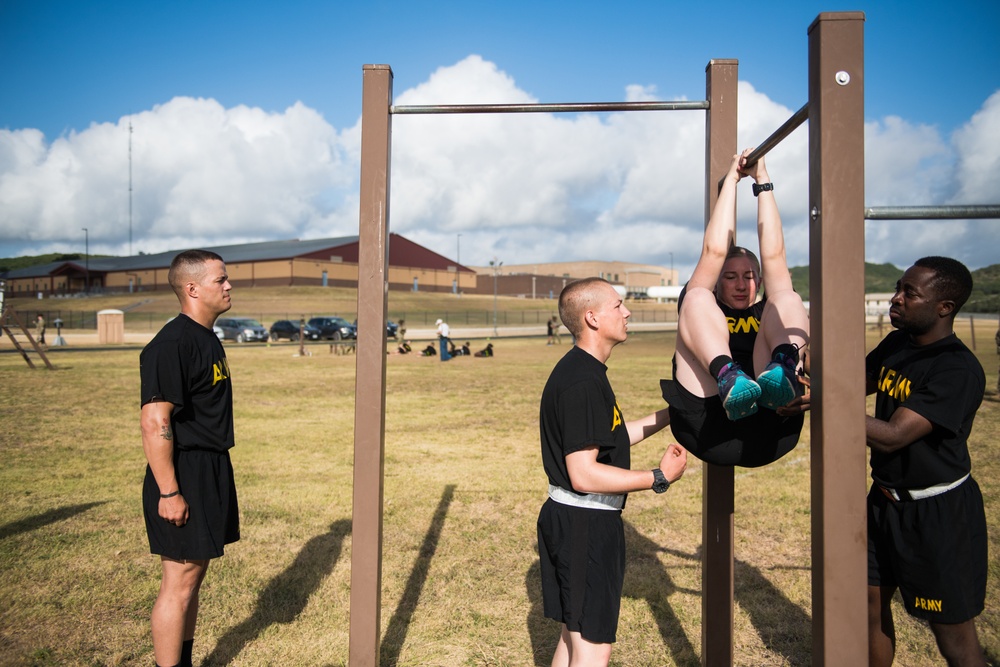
{"x": 463, "y": 484}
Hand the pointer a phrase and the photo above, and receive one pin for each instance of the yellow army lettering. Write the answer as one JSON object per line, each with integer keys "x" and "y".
{"x": 220, "y": 371}
{"x": 926, "y": 604}
{"x": 743, "y": 325}
{"x": 616, "y": 420}
{"x": 893, "y": 384}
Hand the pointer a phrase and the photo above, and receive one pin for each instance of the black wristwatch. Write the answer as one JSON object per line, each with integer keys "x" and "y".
{"x": 660, "y": 483}
{"x": 762, "y": 187}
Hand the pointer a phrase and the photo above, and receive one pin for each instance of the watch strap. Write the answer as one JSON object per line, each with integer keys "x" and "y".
{"x": 660, "y": 483}
{"x": 762, "y": 187}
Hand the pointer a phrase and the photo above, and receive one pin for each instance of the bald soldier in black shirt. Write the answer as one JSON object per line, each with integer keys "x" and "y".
{"x": 586, "y": 445}
{"x": 189, "y": 496}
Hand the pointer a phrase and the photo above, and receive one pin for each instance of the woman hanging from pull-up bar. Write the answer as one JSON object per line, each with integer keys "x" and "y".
{"x": 736, "y": 393}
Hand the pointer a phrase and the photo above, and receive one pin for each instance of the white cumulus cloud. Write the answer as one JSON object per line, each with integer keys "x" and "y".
{"x": 911, "y": 165}
{"x": 201, "y": 174}
{"x": 523, "y": 188}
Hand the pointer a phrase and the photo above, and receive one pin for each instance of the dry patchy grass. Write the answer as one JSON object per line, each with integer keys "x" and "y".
{"x": 463, "y": 484}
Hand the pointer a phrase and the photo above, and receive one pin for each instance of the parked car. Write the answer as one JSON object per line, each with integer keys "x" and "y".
{"x": 217, "y": 330}
{"x": 334, "y": 328}
{"x": 290, "y": 329}
{"x": 241, "y": 329}
{"x": 391, "y": 328}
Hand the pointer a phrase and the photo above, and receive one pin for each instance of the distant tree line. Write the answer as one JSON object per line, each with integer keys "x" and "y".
{"x": 11, "y": 263}
{"x": 882, "y": 278}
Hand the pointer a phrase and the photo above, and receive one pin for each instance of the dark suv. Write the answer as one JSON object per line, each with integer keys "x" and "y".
{"x": 290, "y": 329}
{"x": 241, "y": 329}
{"x": 335, "y": 328}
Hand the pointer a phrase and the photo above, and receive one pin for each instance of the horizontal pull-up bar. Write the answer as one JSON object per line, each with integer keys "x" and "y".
{"x": 578, "y": 107}
{"x": 789, "y": 126}
{"x": 932, "y": 212}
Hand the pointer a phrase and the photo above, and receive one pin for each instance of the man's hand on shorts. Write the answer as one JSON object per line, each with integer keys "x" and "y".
{"x": 174, "y": 510}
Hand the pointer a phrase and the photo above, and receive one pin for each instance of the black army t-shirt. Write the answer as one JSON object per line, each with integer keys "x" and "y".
{"x": 579, "y": 410}
{"x": 185, "y": 365}
{"x": 944, "y": 383}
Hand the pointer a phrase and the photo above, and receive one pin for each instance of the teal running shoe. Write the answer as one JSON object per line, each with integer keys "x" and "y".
{"x": 778, "y": 383}
{"x": 738, "y": 393}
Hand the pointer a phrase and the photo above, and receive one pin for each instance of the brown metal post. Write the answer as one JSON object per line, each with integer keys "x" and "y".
{"x": 717, "y": 482}
{"x": 836, "y": 274}
{"x": 369, "y": 388}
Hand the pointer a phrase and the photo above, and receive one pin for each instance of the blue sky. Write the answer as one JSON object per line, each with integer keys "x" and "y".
{"x": 79, "y": 72}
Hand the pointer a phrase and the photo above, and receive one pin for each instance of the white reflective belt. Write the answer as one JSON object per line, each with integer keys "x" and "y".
{"x": 920, "y": 494}
{"x": 594, "y": 501}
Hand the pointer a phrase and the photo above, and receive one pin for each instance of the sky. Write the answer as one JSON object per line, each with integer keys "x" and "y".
{"x": 166, "y": 125}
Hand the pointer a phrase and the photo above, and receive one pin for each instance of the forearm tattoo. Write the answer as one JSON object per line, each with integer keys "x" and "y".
{"x": 166, "y": 433}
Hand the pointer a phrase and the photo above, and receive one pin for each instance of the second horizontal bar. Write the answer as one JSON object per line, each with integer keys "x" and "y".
{"x": 578, "y": 107}
{"x": 932, "y": 212}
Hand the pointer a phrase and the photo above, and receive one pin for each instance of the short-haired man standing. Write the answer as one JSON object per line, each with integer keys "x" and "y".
{"x": 586, "y": 453}
{"x": 188, "y": 496}
{"x": 926, "y": 521}
{"x": 444, "y": 339}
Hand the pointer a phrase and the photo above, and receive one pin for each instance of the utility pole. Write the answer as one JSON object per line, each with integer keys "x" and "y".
{"x": 496, "y": 272}
{"x": 130, "y": 187}
{"x": 86, "y": 240}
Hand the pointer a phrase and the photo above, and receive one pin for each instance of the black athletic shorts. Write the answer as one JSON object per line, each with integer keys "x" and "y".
{"x": 934, "y": 550}
{"x": 582, "y": 554}
{"x": 702, "y": 427}
{"x": 206, "y": 482}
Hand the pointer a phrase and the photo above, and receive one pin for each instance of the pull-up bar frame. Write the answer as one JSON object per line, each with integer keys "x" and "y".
{"x": 986, "y": 211}
{"x": 836, "y": 238}
{"x": 572, "y": 107}
{"x": 836, "y": 274}
{"x": 789, "y": 126}
{"x": 954, "y": 212}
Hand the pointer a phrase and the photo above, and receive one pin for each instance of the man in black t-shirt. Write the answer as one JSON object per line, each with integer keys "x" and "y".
{"x": 735, "y": 354}
{"x": 926, "y": 521}
{"x": 189, "y": 496}
{"x": 586, "y": 454}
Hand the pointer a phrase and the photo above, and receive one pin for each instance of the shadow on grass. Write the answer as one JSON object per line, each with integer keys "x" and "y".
{"x": 647, "y": 578}
{"x": 544, "y": 632}
{"x": 45, "y": 518}
{"x": 764, "y": 602}
{"x": 395, "y": 633}
{"x": 287, "y": 594}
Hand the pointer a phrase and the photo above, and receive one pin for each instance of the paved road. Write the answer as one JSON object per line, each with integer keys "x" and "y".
{"x": 459, "y": 332}
{"x": 82, "y": 338}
